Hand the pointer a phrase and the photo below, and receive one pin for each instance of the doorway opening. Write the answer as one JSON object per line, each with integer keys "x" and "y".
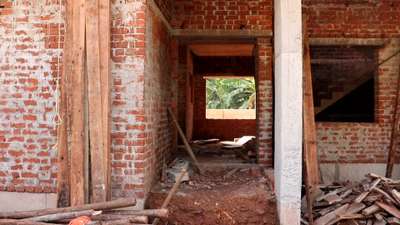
{"x": 221, "y": 102}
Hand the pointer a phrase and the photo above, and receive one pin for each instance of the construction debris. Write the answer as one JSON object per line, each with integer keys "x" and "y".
{"x": 93, "y": 214}
{"x": 175, "y": 169}
{"x": 375, "y": 200}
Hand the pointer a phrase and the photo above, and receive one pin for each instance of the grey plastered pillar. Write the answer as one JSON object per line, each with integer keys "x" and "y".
{"x": 288, "y": 109}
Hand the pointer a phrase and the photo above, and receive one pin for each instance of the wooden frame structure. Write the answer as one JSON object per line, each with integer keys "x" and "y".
{"x": 85, "y": 134}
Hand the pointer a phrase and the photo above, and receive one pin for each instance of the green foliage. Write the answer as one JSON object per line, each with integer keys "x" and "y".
{"x": 230, "y": 93}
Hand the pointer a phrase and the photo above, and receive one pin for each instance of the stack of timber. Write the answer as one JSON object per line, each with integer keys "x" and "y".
{"x": 373, "y": 201}
{"x": 104, "y": 213}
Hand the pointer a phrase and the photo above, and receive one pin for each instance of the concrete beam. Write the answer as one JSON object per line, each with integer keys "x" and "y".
{"x": 288, "y": 109}
{"x": 349, "y": 41}
{"x": 188, "y": 33}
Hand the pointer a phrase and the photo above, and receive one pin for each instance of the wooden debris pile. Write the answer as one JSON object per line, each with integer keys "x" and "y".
{"x": 373, "y": 201}
{"x": 105, "y": 213}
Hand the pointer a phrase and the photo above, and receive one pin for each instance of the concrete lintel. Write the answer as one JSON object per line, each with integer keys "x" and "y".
{"x": 188, "y": 33}
{"x": 349, "y": 41}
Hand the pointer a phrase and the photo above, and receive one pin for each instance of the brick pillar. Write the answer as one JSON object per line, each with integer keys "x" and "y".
{"x": 264, "y": 101}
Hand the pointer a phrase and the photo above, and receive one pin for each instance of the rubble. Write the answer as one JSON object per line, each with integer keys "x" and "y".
{"x": 373, "y": 201}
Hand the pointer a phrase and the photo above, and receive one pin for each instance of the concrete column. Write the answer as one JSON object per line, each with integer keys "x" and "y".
{"x": 288, "y": 109}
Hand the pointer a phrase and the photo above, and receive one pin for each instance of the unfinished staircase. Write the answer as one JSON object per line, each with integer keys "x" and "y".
{"x": 337, "y": 72}
{"x": 346, "y": 89}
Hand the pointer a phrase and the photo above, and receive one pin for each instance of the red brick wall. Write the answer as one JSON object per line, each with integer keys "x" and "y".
{"x": 359, "y": 142}
{"x": 362, "y": 18}
{"x": 223, "y": 14}
{"x": 158, "y": 96}
{"x": 143, "y": 134}
{"x": 212, "y": 128}
{"x": 30, "y": 55}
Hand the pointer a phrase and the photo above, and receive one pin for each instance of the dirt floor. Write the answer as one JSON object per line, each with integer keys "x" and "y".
{"x": 243, "y": 198}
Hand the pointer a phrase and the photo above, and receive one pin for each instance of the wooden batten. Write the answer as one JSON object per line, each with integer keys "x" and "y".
{"x": 77, "y": 164}
{"x": 63, "y": 184}
{"x": 236, "y": 49}
{"x": 189, "y": 95}
{"x": 106, "y": 81}
{"x": 98, "y": 94}
{"x": 395, "y": 132}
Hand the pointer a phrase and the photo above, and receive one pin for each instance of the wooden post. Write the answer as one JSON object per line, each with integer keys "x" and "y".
{"x": 395, "y": 132}
{"x": 77, "y": 78}
{"x": 184, "y": 140}
{"x": 106, "y": 81}
{"x": 189, "y": 95}
{"x": 310, "y": 136}
{"x": 96, "y": 96}
{"x": 63, "y": 185}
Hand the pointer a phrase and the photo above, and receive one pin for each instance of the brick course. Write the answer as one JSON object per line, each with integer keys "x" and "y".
{"x": 223, "y": 14}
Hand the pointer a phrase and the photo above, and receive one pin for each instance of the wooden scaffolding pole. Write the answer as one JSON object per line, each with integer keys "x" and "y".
{"x": 310, "y": 137}
{"x": 63, "y": 190}
{"x": 394, "y": 139}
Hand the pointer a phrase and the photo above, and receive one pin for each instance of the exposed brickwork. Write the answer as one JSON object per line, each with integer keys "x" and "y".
{"x": 30, "y": 55}
{"x": 364, "y": 142}
{"x": 264, "y": 102}
{"x": 343, "y": 18}
{"x": 30, "y": 52}
{"x": 158, "y": 96}
{"x": 359, "y": 142}
{"x": 223, "y": 14}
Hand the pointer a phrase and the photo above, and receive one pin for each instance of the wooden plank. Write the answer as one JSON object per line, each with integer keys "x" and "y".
{"x": 394, "y": 138}
{"x": 236, "y": 49}
{"x": 310, "y": 157}
{"x": 390, "y": 209}
{"x": 310, "y": 136}
{"x": 77, "y": 180}
{"x": 184, "y": 140}
{"x": 96, "y": 137}
{"x": 371, "y": 210}
{"x": 63, "y": 185}
{"x": 326, "y": 219}
{"x": 189, "y": 95}
{"x": 106, "y": 81}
